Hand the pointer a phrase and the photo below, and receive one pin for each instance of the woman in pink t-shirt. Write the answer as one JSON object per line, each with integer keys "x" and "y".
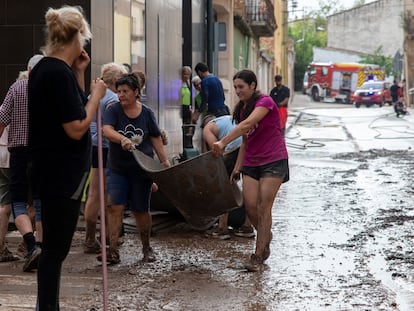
{"x": 262, "y": 159}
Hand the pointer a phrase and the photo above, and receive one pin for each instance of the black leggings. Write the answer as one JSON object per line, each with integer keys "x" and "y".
{"x": 59, "y": 220}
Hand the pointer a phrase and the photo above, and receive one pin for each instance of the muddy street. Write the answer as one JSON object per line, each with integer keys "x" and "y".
{"x": 342, "y": 236}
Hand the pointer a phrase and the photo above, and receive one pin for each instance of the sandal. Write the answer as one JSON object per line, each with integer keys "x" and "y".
{"x": 6, "y": 256}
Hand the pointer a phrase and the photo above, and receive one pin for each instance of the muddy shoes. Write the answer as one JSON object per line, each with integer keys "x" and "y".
{"x": 149, "y": 255}
{"x": 254, "y": 264}
{"x": 22, "y": 249}
{"x": 112, "y": 256}
{"x": 6, "y": 255}
{"x": 92, "y": 247}
{"x": 245, "y": 232}
{"x": 218, "y": 233}
{"x": 32, "y": 259}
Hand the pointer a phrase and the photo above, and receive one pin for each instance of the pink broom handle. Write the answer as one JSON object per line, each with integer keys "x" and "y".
{"x": 102, "y": 209}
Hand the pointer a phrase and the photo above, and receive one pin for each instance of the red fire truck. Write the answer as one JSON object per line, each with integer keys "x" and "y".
{"x": 337, "y": 81}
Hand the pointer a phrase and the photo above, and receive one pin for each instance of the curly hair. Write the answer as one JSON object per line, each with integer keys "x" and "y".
{"x": 132, "y": 81}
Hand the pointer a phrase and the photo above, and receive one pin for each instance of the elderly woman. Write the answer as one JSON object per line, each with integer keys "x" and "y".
{"x": 59, "y": 118}
{"x": 129, "y": 125}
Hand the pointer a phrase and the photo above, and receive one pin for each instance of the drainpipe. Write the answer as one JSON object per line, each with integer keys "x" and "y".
{"x": 210, "y": 33}
{"x": 187, "y": 59}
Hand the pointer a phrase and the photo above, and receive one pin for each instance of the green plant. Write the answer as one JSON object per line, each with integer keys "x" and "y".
{"x": 378, "y": 58}
{"x": 406, "y": 21}
{"x": 306, "y": 34}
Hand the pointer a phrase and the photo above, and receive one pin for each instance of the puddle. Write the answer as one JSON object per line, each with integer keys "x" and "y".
{"x": 403, "y": 289}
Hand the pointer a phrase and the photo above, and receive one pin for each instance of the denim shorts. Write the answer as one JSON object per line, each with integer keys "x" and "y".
{"x": 279, "y": 169}
{"x": 131, "y": 190}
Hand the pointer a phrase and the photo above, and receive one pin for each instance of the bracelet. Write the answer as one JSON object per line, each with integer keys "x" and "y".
{"x": 164, "y": 161}
{"x": 124, "y": 139}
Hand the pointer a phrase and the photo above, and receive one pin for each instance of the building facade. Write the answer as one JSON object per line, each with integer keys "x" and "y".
{"x": 364, "y": 29}
{"x": 408, "y": 27}
{"x": 157, "y": 37}
{"x": 147, "y": 35}
{"x": 254, "y": 32}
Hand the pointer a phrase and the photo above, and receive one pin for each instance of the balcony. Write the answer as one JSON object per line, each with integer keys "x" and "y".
{"x": 261, "y": 17}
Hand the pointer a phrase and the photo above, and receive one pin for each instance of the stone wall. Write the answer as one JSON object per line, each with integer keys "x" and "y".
{"x": 368, "y": 27}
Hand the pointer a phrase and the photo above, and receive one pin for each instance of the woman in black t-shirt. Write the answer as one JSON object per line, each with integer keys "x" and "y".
{"x": 129, "y": 125}
{"x": 59, "y": 140}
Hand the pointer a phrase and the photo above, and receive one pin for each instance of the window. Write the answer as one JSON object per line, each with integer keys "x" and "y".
{"x": 129, "y": 33}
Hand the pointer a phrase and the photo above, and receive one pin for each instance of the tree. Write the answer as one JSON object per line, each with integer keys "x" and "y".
{"x": 309, "y": 32}
{"x": 326, "y": 8}
{"x": 358, "y": 3}
{"x": 306, "y": 33}
{"x": 378, "y": 58}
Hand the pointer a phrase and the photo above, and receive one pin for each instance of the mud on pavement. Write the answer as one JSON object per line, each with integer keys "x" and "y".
{"x": 342, "y": 240}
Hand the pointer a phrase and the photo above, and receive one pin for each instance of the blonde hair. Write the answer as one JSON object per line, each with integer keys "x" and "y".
{"x": 111, "y": 72}
{"x": 63, "y": 25}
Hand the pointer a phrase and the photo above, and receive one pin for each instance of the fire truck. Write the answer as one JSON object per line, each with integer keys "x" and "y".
{"x": 337, "y": 81}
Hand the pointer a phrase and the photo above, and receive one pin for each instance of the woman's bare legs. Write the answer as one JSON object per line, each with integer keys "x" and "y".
{"x": 92, "y": 212}
{"x": 269, "y": 186}
{"x": 144, "y": 224}
{"x": 115, "y": 217}
{"x": 259, "y": 196}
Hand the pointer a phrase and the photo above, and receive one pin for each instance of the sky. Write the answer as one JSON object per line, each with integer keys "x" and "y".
{"x": 309, "y": 5}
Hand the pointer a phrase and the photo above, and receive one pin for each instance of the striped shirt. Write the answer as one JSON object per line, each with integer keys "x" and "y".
{"x": 14, "y": 112}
